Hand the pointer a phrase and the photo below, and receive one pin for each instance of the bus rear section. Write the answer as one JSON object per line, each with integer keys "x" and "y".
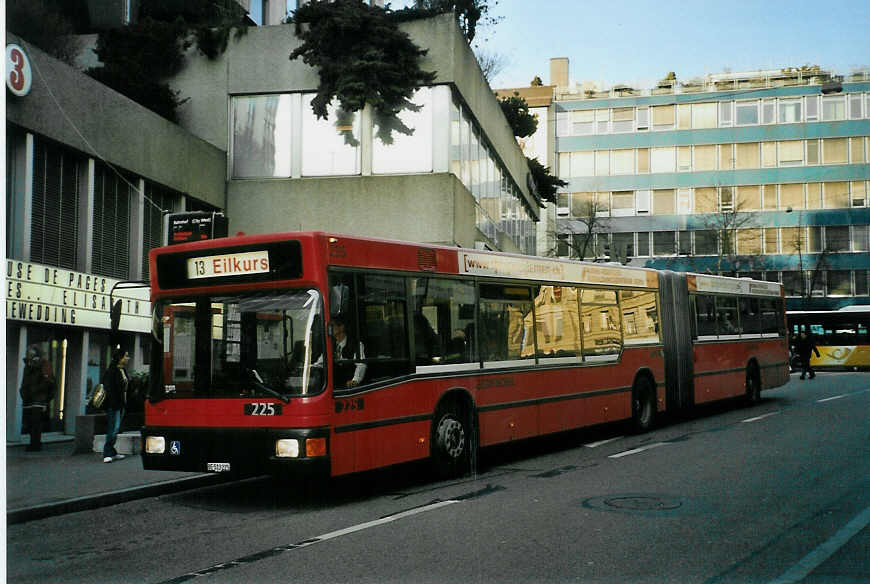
{"x": 725, "y": 338}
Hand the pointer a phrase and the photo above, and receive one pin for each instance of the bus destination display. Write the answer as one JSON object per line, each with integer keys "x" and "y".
{"x": 226, "y": 265}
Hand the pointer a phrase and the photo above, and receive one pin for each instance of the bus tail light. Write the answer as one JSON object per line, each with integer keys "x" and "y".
{"x": 287, "y": 448}
{"x": 155, "y": 444}
{"x": 315, "y": 447}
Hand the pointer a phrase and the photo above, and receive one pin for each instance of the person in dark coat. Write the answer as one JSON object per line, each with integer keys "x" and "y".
{"x": 115, "y": 382}
{"x": 37, "y": 390}
{"x": 805, "y": 346}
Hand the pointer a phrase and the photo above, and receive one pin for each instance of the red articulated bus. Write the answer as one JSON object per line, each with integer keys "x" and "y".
{"x": 336, "y": 354}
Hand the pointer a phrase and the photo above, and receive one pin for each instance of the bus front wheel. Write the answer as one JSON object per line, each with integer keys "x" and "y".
{"x": 643, "y": 405}
{"x": 452, "y": 441}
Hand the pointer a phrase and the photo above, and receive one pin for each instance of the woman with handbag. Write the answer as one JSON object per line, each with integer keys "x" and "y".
{"x": 115, "y": 381}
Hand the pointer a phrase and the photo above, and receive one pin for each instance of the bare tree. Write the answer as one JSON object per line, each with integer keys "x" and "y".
{"x": 491, "y": 63}
{"x": 580, "y": 232}
{"x": 734, "y": 226}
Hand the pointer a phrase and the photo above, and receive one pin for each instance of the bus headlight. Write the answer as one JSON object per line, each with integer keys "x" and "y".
{"x": 155, "y": 444}
{"x": 287, "y": 448}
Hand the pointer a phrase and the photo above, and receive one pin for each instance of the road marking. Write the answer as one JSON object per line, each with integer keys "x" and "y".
{"x": 320, "y": 538}
{"x": 817, "y": 557}
{"x": 602, "y": 442}
{"x": 832, "y": 398}
{"x": 756, "y": 418}
{"x": 638, "y": 450}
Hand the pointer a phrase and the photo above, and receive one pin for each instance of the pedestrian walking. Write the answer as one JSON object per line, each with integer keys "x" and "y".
{"x": 805, "y": 346}
{"x": 115, "y": 381}
{"x": 37, "y": 390}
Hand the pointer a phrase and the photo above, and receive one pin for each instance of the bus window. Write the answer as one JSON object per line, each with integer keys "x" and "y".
{"x": 443, "y": 312}
{"x": 769, "y": 316}
{"x": 506, "y": 328}
{"x": 640, "y": 319}
{"x": 599, "y": 313}
{"x": 705, "y": 313}
{"x": 726, "y": 316}
{"x": 557, "y": 321}
{"x": 383, "y": 326}
{"x": 750, "y": 317}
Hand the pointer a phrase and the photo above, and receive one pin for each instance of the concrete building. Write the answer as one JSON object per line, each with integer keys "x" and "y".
{"x": 90, "y": 174}
{"x": 762, "y": 174}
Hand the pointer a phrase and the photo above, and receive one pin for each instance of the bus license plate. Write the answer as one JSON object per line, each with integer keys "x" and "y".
{"x": 262, "y": 409}
{"x": 217, "y": 466}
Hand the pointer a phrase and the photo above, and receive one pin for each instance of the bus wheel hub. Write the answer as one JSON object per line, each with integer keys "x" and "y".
{"x": 451, "y": 437}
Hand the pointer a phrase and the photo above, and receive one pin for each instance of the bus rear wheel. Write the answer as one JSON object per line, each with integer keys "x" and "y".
{"x": 643, "y": 405}
{"x": 452, "y": 441}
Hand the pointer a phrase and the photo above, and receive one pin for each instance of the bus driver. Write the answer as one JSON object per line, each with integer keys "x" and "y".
{"x": 349, "y": 371}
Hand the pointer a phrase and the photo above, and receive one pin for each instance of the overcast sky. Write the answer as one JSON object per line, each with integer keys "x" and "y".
{"x": 636, "y": 43}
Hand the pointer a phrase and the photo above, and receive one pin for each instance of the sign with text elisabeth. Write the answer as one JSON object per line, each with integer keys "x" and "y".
{"x": 48, "y": 295}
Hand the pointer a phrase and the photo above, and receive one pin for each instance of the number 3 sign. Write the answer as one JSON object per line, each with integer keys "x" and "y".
{"x": 18, "y": 73}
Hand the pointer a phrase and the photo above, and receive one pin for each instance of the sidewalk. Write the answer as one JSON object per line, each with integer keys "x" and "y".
{"x": 56, "y": 481}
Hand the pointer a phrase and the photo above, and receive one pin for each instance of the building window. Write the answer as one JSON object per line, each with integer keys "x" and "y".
{"x": 725, "y": 118}
{"x": 684, "y": 242}
{"x": 663, "y": 117}
{"x": 835, "y": 151}
{"x": 684, "y": 158}
{"x": 748, "y": 155}
{"x": 642, "y": 199}
{"x": 662, "y": 159}
{"x": 768, "y": 154}
{"x": 726, "y": 156}
{"x": 642, "y": 160}
{"x": 814, "y": 195}
{"x": 110, "y": 254}
{"x": 663, "y": 202}
{"x": 331, "y": 146}
{"x": 407, "y": 153}
{"x": 769, "y": 197}
{"x": 643, "y": 118}
{"x": 623, "y": 245}
{"x": 261, "y": 136}
{"x": 812, "y": 108}
{"x": 768, "y": 111}
{"x": 704, "y": 157}
{"x": 790, "y": 111}
{"x": 839, "y": 282}
{"x": 623, "y": 119}
{"x": 747, "y": 112}
{"x": 623, "y": 162}
{"x": 749, "y": 241}
{"x": 726, "y": 199}
{"x": 55, "y": 207}
{"x": 643, "y": 243}
{"x": 602, "y": 162}
{"x": 602, "y": 120}
{"x": 684, "y": 116}
{"x": 855, "y": 106}
{"x": 704, "y": 115}
{"x": 836, "y": 195}
{"x": 791, "y": 152}
{"x": 706, "y": 200}
{"x": 749, "y": 198}
{"x": 861, "y": 288}
{"x": 833, "y": 108}
{"x": 812, "y": 152}
{"x": 622, "y": 203}
{"x": 771, "y": 240}
{"x": 859, "y": 194}
{"x": 664, "y": 243}
{"x": 837, "y": 238}
{"x": 856, "y": 150}
{"x": 706, "y": 242}
{"x": 583, "y": 122}
{"x": 793, "y": 283}
{"x": 791, "y": 196}
{"x": 684, "y": 201}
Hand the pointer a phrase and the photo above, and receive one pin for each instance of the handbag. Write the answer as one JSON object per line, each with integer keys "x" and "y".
{"x": 99, "y": 396}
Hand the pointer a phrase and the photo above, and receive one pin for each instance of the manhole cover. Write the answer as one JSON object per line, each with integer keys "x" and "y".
{"x": 643, "y": 503}
{"x": 647, "y": 504}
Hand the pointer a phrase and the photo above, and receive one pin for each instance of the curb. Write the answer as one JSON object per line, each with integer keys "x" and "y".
{"x": 107, "y": 499}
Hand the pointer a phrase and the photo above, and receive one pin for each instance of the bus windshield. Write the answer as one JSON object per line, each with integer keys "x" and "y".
{"x": 261, "y": 344}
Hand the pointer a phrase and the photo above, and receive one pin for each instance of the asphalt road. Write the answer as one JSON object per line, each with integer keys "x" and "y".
{"x": 778, "y": 492}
